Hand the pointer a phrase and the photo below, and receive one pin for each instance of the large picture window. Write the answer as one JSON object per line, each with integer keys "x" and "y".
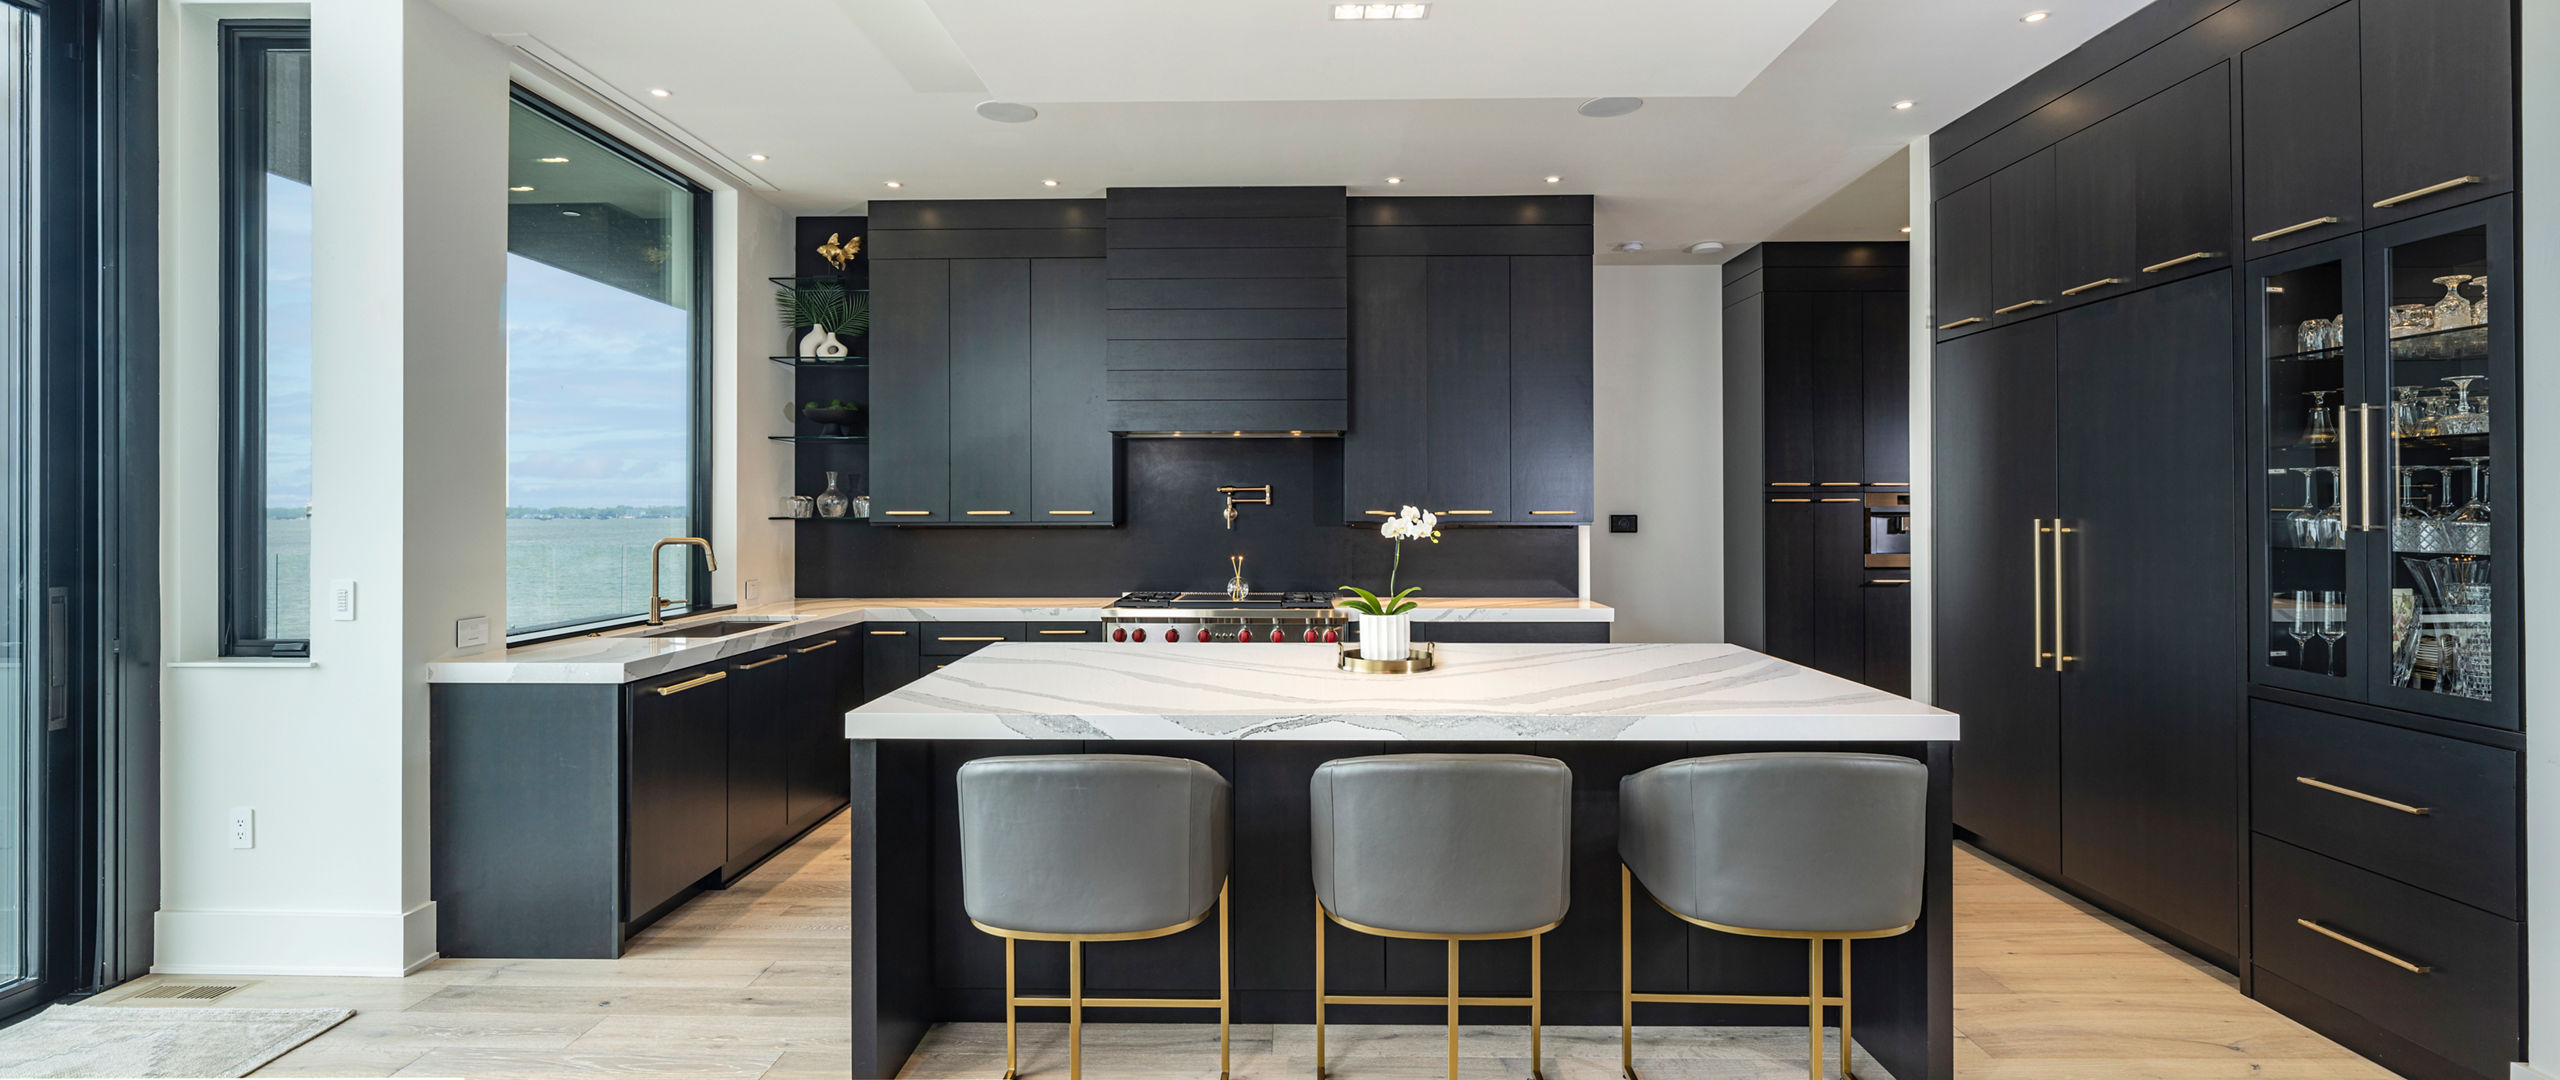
{"x": 607, "y": 374}
{"x": 266, "y": 290}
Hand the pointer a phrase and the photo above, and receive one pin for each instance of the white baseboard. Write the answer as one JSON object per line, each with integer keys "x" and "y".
{"x": 2522, "y": 1071}
{"x": 336, "y": 943}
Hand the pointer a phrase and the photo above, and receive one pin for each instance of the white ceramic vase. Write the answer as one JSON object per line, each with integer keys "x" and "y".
{"x": 1386, "y": 637}
{"x": 810, "y": 345}
{"x": 831, "y": 349}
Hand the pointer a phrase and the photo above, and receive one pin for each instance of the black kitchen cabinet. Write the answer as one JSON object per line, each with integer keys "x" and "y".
{"x": 891, "y": 657}
{"x": 990, "y": 331}
{"x": 2182, "y": 177}
{"x": 1551, "y": 389}
{"x": 2439, "y": 104}
{"x": 1963, "y": 276}
{"x": 1994, "y": 418}
{"x": 2022, "y": 239}
{"x": 676, "y": 775}
{"x": 1074, "y": 461}
{"x": 1815, "y": 587}
{"x": 2145, "y": 582}
{"x": 2301, "y": 152}
{"x": 1467, "y": 358}
{"x": 1385, "y": 452}
{"x": 764, "y": 717}
{"x": 1789, "y": 577}
{"x": 1884, "y": 401}
{"x": 911, "y": 391}
{"x": 826, "y": 682}
{"x": 2093, "y": 182}
{"x": 1787, "y": 430}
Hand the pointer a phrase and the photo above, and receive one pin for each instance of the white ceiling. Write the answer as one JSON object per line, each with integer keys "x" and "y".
{"x": 1758, "y": 111}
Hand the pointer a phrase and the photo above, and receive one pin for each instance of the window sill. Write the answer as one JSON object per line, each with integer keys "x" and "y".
{"x": 245, "y": 662}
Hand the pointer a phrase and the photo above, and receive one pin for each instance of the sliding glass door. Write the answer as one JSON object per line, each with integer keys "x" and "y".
{"x": 22, "y": 690}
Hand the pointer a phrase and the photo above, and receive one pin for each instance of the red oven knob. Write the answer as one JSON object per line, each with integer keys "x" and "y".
{"x": 1331, "y": 636}
{"x": 1204, "y": 633}
{"x": 1139, "y": 634}
{"x": 1172, "y": 634}
{"x": 1120, "y": 633}
{"x": 1277, "y": 636}
{"x": 1244, "y": 635}
{"x": 1311, "y": 633}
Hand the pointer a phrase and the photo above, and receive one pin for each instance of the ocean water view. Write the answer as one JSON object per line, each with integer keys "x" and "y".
{"x": 559, "y": 569}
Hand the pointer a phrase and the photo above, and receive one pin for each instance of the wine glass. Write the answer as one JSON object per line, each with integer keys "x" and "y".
{"x": 2468, "y": 527}
{"x": 2411, "y": 524}
{"x": 2434, "y": 404}
{"x": 2408, "y": 320}
{"x": 2301, "y": 629}
{"x": 2322, "y": 431}
{"x": 2303, "y": 524}
{"x": 2453, "y": 312}
{"x": 2464, "y": 419}
{"x": 2333, "y": 624}
{"x": 2330, "y": 527}
{"x": 2407, "y": 419}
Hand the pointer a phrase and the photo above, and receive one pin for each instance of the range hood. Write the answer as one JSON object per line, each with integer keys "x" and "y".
{"x": 1227, "y": 312}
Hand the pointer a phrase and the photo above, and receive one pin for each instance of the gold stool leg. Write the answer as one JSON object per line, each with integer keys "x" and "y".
{"x": 1815, "y": 1019}
{"x": 1009, "y": 1064}
{"x": 1626, "y": 973}
{"x": 1848, "y": 1056}
{"x": 1226, "y": 999}
{"x": 1453, "y": 1009}
{"x": 1319, "y": 990}
{"x": 1075, "y": 1010}
{"x": 1537, "y": 1006}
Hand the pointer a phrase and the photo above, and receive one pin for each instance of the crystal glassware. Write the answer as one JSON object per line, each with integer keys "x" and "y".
{"x": 831, "y": 503}
{"x": 2333, "y": 624}
{"x": 2303, "y": 524}
{"x": 2465, "y": 419}
{"x": 2453, "y": 312}
{"x": 2330, "y": 527}
{"x": 2335, "y": 337}
{"x": 2480, "y": 307}
{"x": 2321, "y": 431}
{"x": 2407, "y": 419}
{"x": 2311, "y": 335}
{"x": 2433, "y": 404}
{"x": 2301, "y": 628}
{"x": 2411, "y": 319}
{"x": 2412, "y": 528}
{"x": 2468, "y": 526}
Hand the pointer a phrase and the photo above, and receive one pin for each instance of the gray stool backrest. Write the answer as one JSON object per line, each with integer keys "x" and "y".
{"x": 1444, "y": 843}
{"x": 1799, "y": 841}
{"x": 1091, "y": 843}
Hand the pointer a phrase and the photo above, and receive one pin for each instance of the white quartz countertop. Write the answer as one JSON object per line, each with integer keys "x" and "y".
{"x": 1477, "y": 693}
{"x": 622, "y": 656}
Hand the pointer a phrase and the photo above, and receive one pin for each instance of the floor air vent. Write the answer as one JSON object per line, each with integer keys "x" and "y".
{"x": 181, "y": 992}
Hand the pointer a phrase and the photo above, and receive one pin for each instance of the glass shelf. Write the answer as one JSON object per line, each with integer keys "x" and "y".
{"x": 840, "y": 363}
{"x": 2464, "y": 343}
{"x": 820, "y": 438}
{"x": 820, "y": 281}
{"x": 2310, "y": 357}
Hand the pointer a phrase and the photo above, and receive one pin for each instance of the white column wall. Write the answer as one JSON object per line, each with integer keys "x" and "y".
{"x": 752, "y": 244}
{"x": 1923, "y": 373}
{"x": 2538, "y": 299}
{"x": 1657, "y": 390}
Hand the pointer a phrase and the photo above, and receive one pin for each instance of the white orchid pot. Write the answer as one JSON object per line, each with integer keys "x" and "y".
{"x": 1386, "y": 637}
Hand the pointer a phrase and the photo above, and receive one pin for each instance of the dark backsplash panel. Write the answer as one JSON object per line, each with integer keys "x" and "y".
{"x": 1173, "y": 538}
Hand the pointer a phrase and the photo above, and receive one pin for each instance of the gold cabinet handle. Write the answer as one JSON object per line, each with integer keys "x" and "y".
{"x": 907, "y": 513}
{"x": 1888, "y": 483}
{"x": 766, "y": 662}
{"x": 1890, "y": 581}
{"x": 2423, "y": 192}
{"x": 2364, "y": 435}
{"x": 1790, "y": 483}
{"x": 2368, "y": 950}
{"x": 1790, "y": 500}
{"x": 987, "y": 513}
{"x": 827, "y": 644}
{"x": 2035, "y": 578}
{"x": 2021, "y": 305}
{"x": 2098, "y": 284}
{"x": 2377, "y": 800}
{"x": 1380, "y": 513}
{"x": 986, "y": 637}
{"x": 888, "y": 633}
{"x": 1551, "y": 513}
{"x": 1842, "y": 500}
{"x": 2061, "y": 653}
{"x": 2182, "y": 260}
{"x": 1072, "y": 513}
{"x": 1839, "y": 483}
{"x": 2346, "y": 479}
{"x": 1966, "y": 321}
{"x": 1067, "y": 633}
{"x": 1455, "y": 513}
{"x": 688, "y": 684}
{"x": 2296, "y": 227}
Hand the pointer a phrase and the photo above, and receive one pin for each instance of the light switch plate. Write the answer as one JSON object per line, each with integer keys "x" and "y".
{"x": 1622, "y": 523}
{"x": 470, "y": 632}
{"x": 342, "y": 600}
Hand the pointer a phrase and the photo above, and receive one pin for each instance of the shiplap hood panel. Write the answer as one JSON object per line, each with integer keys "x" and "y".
{"x": 1227, "y": 310}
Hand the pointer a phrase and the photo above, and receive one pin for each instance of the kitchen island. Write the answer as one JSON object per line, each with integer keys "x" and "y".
{"x": 1264, "y": 716}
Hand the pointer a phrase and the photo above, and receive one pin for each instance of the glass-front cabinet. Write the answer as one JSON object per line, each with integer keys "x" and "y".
{"x": 2381, "y": 361}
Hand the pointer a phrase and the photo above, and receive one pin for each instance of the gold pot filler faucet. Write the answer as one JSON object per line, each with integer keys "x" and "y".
{"x": 1232, "y": 493}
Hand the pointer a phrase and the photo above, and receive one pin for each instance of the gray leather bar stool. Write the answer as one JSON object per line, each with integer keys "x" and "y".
{"x": 1446, "y": 847}
{"x": 1819, "y": 846}
{"x": 1094, "y": 847}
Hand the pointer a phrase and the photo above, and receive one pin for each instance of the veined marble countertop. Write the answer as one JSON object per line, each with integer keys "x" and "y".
{"x": 622, "y": 656}
{"x": 1478, "y": 693}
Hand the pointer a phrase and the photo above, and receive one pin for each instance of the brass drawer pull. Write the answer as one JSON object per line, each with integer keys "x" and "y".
{"x": 888, "y": 633}
{"x": 1066, "y": 633}
{"x": 1551, "y": 513}
{"x": 987, "y": 637}
{"x": 1840, "y": 483}
{"x": 1455, "y": 513}
{"x": 1888, "y": 483}
{"x": 827, "y": 644}
{"x": 1891, "y": 581}
{"x": 2289, "y": 230}
{"x": 767, "y": 661}
{"x": 2035, "y": 580}
{"x": 2351, "y": 793}
{"x": 1966, "y": 321}
{"x": 2425, "y": 191}
{"x": 1790, "y": 483}
{"x": 1380, "y": 513}
{"x": 2368, "y": 950}
{"x": 1843, "y": 500}
{"x": 2021, "y": 305}
{"x": 2061, "y": 653}
{"x": 688, "y": 684}
{"x": 907, "y": 513}
{"x": 987, "y": 513}
{"x": 2098, "y": 284}
{"x": 1790, "y": 500}
{"x": 1072, "y": 513}
{"x": 2182, "y": 260}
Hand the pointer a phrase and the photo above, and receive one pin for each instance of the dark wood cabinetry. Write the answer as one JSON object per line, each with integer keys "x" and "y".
{"x": 675, "y": 761}
{"x": 2182, "y": 177}
{"x": 890, "y": 657}
{"x": 1961, "y": 234}
{"x": 1075, "y": 469}
{"x": 1550, "y": 427}
{"x": 2439, "y": 104}
{"x": 2302, "y": 148}
{"x": 1466, "y": 318}
{"x": 766, "y": 719}
{"x": 2023, "y": 233}
{"x": 911, "y": 391}
{"x": 2093, "y": 181}
{"x": 990, "y": 391}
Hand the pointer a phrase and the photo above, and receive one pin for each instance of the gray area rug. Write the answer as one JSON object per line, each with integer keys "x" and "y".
{"x": 105, "y": 1040}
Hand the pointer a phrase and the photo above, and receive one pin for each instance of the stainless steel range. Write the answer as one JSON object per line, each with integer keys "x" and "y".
{"x": 1174, "y": 618}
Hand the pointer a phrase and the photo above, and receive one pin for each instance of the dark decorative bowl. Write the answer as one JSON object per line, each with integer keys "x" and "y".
{"x": 835, "y": 423}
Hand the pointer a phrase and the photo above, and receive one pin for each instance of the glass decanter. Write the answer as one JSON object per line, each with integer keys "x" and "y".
{"x": 2453, "y": 312}
{"x": 2411, "y": 525}
{"x": 831, "y": 503}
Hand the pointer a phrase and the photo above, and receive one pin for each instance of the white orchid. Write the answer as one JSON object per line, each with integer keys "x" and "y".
{"x": 1411, "y": 523}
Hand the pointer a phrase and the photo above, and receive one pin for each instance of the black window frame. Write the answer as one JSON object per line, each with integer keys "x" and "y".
{"x": 245, "y": 44}
{"x": 698, "y": 428}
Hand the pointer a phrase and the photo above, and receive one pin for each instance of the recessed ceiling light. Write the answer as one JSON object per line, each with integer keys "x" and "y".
{"x": 1381, "y": 11}
{"x": 1706, "y": 247}
{"x": 1610, "y": 106}
{"x": 2035, "y": 16}
{"x": 1555, "y": 179}
{"x": 521, "y": 187}
{"x": 1354, "y": 12}
{"x": 1903, "y": 104}
{"x": 890, "y": 183}
{"x": 1348, "y": 12}
{"x": 571, "y": 213}
{"x": 1906, "y": 230}
{"x": 1412, "y": 11}
{"x": 1395, "y": 179}
{"x": 1008, "y": 112}
{"x": 1631, "y": 245}
{"x": 554, "y": 160}
{"x": 655, "y": 92}
{"x": 1048, "y": 183}
{"x": 755, "y": 157}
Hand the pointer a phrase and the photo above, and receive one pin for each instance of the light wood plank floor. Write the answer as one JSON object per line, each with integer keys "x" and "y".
{"x": 752, "y": 982}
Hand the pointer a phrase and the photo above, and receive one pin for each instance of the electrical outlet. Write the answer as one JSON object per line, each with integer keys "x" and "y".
{"x": 244, "y": 827}
{"x": 748, "y": 589}
{"x": 1622, "y": 523}
{"x": 342, "y": 600}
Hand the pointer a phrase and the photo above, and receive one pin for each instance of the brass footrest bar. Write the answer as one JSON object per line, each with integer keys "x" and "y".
{"x": 1730, "y": 999}
{"x": 1123, "y": 1003}
{"x": 1374, "y": 999}
{"x": 1452, "y": 1000}
{"x": 1076, "y": 1003}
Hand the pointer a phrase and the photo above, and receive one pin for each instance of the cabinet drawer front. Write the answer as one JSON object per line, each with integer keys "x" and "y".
{"x": 2308, "y": 769}
{"x": 961, "y": 638}
{"x": 2464, "y": 1005}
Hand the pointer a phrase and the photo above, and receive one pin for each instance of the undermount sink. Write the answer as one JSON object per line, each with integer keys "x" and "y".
{"x": 717, "y": 628}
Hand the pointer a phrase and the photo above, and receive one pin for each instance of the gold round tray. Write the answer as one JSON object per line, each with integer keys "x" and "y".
{"x": 1350, "y": 660}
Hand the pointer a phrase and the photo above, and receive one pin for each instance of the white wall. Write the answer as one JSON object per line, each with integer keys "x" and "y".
{"x": 1924, "y": 592}
{"x": 1657, "y": 389}
{"x": 2538, "y": 238}
{"x": 751, "y": 243}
